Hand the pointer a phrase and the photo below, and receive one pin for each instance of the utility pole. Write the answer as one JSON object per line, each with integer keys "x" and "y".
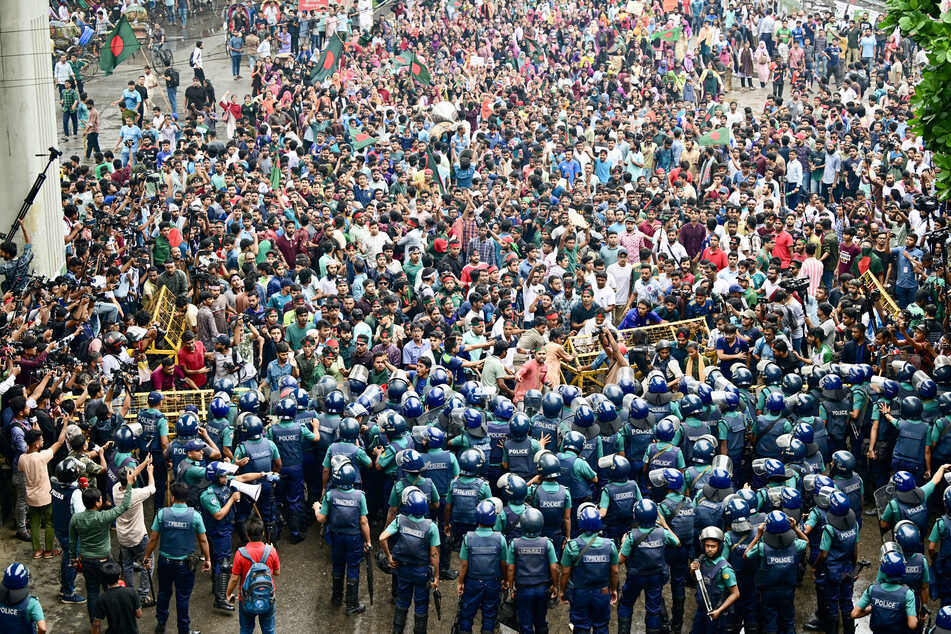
{"x": 29, "y": 112}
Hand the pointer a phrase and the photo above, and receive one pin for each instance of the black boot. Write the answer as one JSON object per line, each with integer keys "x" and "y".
{"x": 220, "y": 584}
{"x": 399, "y": 620}
{"x": 353, "y": 597}
{"x": 297, "y": 528}
{"x": 420, "y": 623}
{"x": 813, "y": 624}
{"x": 677, "y": 615}
{"x": 848, "y": 624}
{"x": 624, "y": 624}
{"x": 336, "y": 598}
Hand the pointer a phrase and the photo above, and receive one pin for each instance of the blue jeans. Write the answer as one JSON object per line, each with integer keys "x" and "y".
{"x": 130, "y": 557}
{"x": 173, "y": 98}
{"x": 479, "y": 594}
{"x": 246, "y": 622}
{"x": 778, "y": 611}
{"x": 827, "y": 278}
{"x": 905, "y": 296}
{"x": 183, "y": 14}
{"x": 531, "y": 604}
{"x": 590, "y": 609}
{"x": 173, "y": 572}
{"x": 67, "y": 574}
{"x": 235, "y": 65}
{"x": 70, "y": 116}
{"x": 653, "y": 588}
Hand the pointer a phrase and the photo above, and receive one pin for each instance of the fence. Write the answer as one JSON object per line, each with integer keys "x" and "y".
{"x": 585, "y": 348}
{"x": 171, "y": 325}
{"x": 174, "y": 404}
{"x": 869, "y": 283}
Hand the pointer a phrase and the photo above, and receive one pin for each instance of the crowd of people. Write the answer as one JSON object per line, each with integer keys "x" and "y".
{"x": 394, "y": 259}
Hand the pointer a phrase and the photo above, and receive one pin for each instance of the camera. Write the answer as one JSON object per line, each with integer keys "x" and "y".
{"x": 794, "y": 285}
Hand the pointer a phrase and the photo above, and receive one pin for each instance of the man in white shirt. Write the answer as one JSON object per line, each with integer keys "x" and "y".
{"x": 62, "y": 72}
{"x": 131, "y": 532}
{"x": 621, "y": 273}
{"x": 604, "y": 295}
{"x": 196, "y": 62}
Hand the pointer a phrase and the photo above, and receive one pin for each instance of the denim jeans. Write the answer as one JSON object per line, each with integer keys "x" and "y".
{"x": 246, "y": 622}
{"x": 67, "y": 574}
{"x": 173, "y": 98}
{"x": 131, "y": 559}
{"x": 235, "y": 65}
{"x": 70, "y": 116}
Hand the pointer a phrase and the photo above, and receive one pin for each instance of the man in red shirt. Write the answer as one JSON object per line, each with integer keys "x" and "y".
{"x": 252, "y": 553}
{"x": 714, "y": 254}
{"x": 784, "y": 243}
{"x": 191, "y": 358}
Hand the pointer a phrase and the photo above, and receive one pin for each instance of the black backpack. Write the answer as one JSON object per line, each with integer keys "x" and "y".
{"x": 172, "y": 78}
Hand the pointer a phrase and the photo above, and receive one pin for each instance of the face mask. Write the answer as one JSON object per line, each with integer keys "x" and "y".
{"x": 866, "y": 251}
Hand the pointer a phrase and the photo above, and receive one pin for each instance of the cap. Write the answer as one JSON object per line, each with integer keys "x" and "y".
{"x": 440, "y": 245}
{"x": 749, "y": 314}
{"x": 224, "y": 340}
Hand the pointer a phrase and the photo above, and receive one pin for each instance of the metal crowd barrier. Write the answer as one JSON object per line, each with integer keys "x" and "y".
{"x": 171, "y": 324}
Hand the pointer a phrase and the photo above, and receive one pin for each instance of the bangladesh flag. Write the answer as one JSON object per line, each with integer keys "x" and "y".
{"x": 329, "y": 59}
{"x": 419, "y": 71}
{"x": 534, "y": 50}
{"x": 360, "y": 139}
{"x": 121, "y": 44}
{"x": 404, "y": 59}
{"x": 517, "y": 62}
{"x": 720, "y": 136}
{"x": 276, "y": 173}
{"x": 667, "y": 35}
{"x": 433, "y": 164}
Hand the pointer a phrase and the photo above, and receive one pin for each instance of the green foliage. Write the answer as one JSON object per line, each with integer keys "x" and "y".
{"x": 923, "y": 21}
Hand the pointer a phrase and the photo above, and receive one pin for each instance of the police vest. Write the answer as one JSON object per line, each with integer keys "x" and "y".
{"x": 943, "y": 561}
{"x": 222, "y": 493}
{"x": 647, "y": 552}
{"x": 636, "y": 441}
{"x": 14, "y": 618}
{"x": 914, "y": 571}
{"x": 195, "y": 489}
{"x": 177, "y": 532}
{"x": 837, "y": 415}
{"x": 681, "y": 516}
{"x": 842, "y": 546}
{"x": 62, "y": 510}
{"x": 778, "y": 567}
{"x": 742, "y": 566}
{"x": 707, "y": 513}
{"x": 327, "y": 427}
{"x": 176, "y": 452}
{"x": 661, "y": 455}
{"x": 578, "y": 487}
{"x": 531, "y": 561}
{"x": 216, "y": 429}
{"x": 697, "y": 476}
{"x": 815, "y": 535}
{"x": 768, "y": 429}
{"x": 710, "y": 575}
{"x": 520, "y": 457}
{"x": 348, "y": 450}
{"x": 609, "y": 442}
{"x": 593, "y": 568}
{"x": 910, "y": 445}
{"x": 513, "y": 526}
{"x": 287, "y": 436}
{"x": 149, "y": 419}
{"x": 113, "y": 466}
{"x": 496, "y": 433}
{"x": 942, "y": 449}
{"x": 693, "y": 429}
{"x": 412, "y": 543}
{"x": 465, "y": 498}
{"x": 259, "y": 452}
{"x": 735, "y": 433}
{"x": 622, "y": 496}
{"x": 820, "y": 435}
{"x": 852, "y": 487}
{"x": 657, "y": 412}
{"x": 888, "y": 608}
{"x": 552, "y": 506}
{"x": 344, "y": 512}
{"x": 916, "y": 513}
{"x": 482, "y": 444}
{"x": 542, "y": 425}
{"x": 485, "y": 556}
{"x": 437, "y": 466}
{"x": 589, "y": 451}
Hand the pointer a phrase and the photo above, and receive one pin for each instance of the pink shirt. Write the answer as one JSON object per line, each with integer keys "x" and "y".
{"x": 812, "y": 269}
{"x": 37, "y": 477}
{"x": 530, "y": 377}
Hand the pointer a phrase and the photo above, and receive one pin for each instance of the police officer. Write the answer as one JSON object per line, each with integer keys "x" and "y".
{"x": 917, "y": 571}
{"x": 410, "y": 464}
{"x": 546, "y": 422}
{"x": 289, "y": 435}
{"x": 618, "y": 496}
{"x": 609, "y": 427}
{"x": 219, "y": 427}
{"x": 518, "y": 450}
{"x": 890, "y": 602}
{"x": 882, "y": 436}
{"x": 847, "y": 480}
{"x": 590, "y": 564}
{"x": 465, "y": 492}
{"x": 709, "y": 501}
{"x": 658, "y": 394}
{"x": 813, "y": 462}
{"x": 642, "y": 549}
{"x": 836, "y": 409}
{"x": 414, "y": 553}
{"x": 838, "y": 552}
{"x": 20, "y": 611}
{"x": 679, "y": 514}
{"x": 328, "y": 422}
{"x": 698, "y": 473}
{"x": 636, "y": 435}
{"x": 482, "y": 571}
{"x": 125, "y": 444}
{"x": 67, "y": 498}
{"x": 394, "y": 439}
{"x": 497, "y": 431}
{"x": 939, "y": 550}
{"x": 154, "y": 440}
{"x": 441, "y": 467}
{"x": 739, "y": 535}
{"x": 474, "y": 432}
{"x": 192, "y": 473}
{"x": 218, "y": 502}
{"x": 575, "y": 473}
{"x": 719, "y": 581}
{"x": 349, "y": 432}
{"x": 910, "y": 501}
{"x": 909, "y": 454}
{"x": 174, "y": 533}
{"x": 694, "y": 427}
{"x": 940, "y": 438}
{"x": 772, "y": 377}
{"x": 663, "y": 451}
{"x": 344, "y": 511}
{"x": 262, "y": 457}
{"x": 806, "y": 411}
{"x": 552, "y": 498}
{"x": 532, "y": 573}
{"x": 770, "y": 425}
{"x": 818, "y": 488}
{"x": 514, "y": 489}
{"x": 777, "y": 549}
{"x": 732, "y": 430}
{"x": 583, "y": 423}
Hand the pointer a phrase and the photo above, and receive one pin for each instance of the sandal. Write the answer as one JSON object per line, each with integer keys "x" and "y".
{"x": 147, "y": 602}
{"x": 37, "y": 554}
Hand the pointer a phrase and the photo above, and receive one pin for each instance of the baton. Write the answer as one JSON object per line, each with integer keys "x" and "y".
{"x": 703, "y": 591}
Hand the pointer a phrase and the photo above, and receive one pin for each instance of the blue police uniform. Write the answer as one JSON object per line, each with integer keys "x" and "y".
{"x": 261, "y": 453}
{"x": 643, "y": 550}
{"x": 485, "y": 551}
{"x": 839, "y": 538}
{"x": 154, "y": 426}
{"x": 344, "y": 508}
{"x": 552, "y": 498}
{"x": 776, "y": 578}
{"x": 590, "y": 558}
{"x": 219, "y": 532}
{"x": 680, "y": 514}
{"x": 414, "y": 537}
{"x": 62, "y": 512}
{"x": 532, "y": 558}
{"x": 746, "y": 607}
{"x": 177, "y": 526}
{"x": 619, "y": 498}
{"x": 289, "y": 437}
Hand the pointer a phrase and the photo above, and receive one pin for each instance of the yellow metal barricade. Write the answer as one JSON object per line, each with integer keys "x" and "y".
{"x": 870, "y": 282}
{"x": 585, "y": 348}
{"x": 170, "y": 322}
{"x": 174, "y": 404}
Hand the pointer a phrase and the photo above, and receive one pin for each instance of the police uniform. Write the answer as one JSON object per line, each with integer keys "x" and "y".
{"x": 441, "y": 467}
{"x": 414, "y": 480}
{"x": 746, "y": 608}
{"x": 289, "y": 436}
{"x": 531, "y": 559}
{"x": 19, "y": 617}
{"x": 212, "y": 500}
{"x": 544, "y": 426}
{"x": 590, "y": 558}
{"x": 222, "y": 434}
{"x": 192, "y": 474}
{"x": 497, "y": 432}
{"x": 693, "y": 428}
{"x": 767, "y": 429}
{"x": 552, "y": 499}
{"x": 154, "y": 428}
{"x": 839, "y": 540}
{"x": 311, "y": 460}
{"x": 776, "y": 576}
{"x": 414, "y": 537}
{"x": 518, "y": 456}
{"x": 486, "y": 551}
{"x": 891, "y": 604}
{"x": 660, "y": 455}
{"x": 261, "y": 453}
{"x": 353, "y": 452}
{"x": 66, "y": 499}
{"x": 910, "y": 505}
{"x": 731, "y": 432}
{"x": 618, "y": 500}
{"x": 941, "y": 537}
{"x": 327, "y": 425}
{"x": 177, "y": 526}
{"x": 680, "y": 514}
{"x": 465, "y": 493}
{"x": 643, "y": 550}
{"x": 909, "y": 452}
{"x": 636, "y": 437}
{"x": 718, "y": 578}
{"x": 344, "y": 508}
{"x": 176, "y": 453}
{"x": 577, "y": 476}
{"x": 836, "y": 409}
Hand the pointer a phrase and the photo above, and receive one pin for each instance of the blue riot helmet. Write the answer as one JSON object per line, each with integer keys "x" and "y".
{"x": 471, "y": 461}
{"x": 720, "y": 479}
{"x": 409, "y": 461}
{"x": 584, "y": 416}
{"x": 690, "y": 404}
{"x": 548, "y": 465}
{"x": 705, "y": 393}
{"x": 514, "y": 487}
{"x": 303, "y": 398}
{"x": 395, "y": 389}
{"x": 414, "y": 502}
{"x": 253, "y": 426}
{"x": 804, "y": 432}
{"x": 349, "y": 429}
{"x": 657, "y": 385}
{"x": 520, "y": 426}
{"x": 286, "y": 408}
{"x": 614, "y": 394}
{"x": 439, "y": 376}
{"x": 572, "y": 441}
{"x": 435, "y": 398}
{"x": 532, "y": 401}
{"x": 435, "y": 437}
{"x": 903, "y": 481}
{"x": 908, "y": 536}
{"x": 335, "y": 402}
{"x": 504, "y": 410}
{"x": 223, "y": 384}
{"x": 772, "y": 374}
{"x": 589, "y": 518}
{"x": 639, "y": 409}
{"x": 777, "y": 522}
{"x": 607, "y": 412}
{"x": 645, "y": 513}
{"x": 250, "y": 401}
{"x": 664, "y": 430}
{"x": 831, "y": 383}
{"x": 893, "y": 566}
{"x": 345, "y": 476}
{"x": 703, "y": 450}
{"x": 911, "y": 408}
{"x": 742, "y": 377}
{"x": 472, "y": 418}
{"x": 531, "y": 522}
{"x": 412, "y": 407}
{"x": 775, "y": 402}
{"x": 552, "y": 404}
{"x": 792, "y": 384}
{"x": 486, "y": 513}
{"x": 186, "y": 425}
{"x": 569, "y": 393}
{"x": 795, "y": 451}
{"x": 619, "y": 468}
{"x": 125, "y": 439}
{"x": 944, "y": 403}
{"x": 805, "y": 405}
{"x": 628, "y": 385}
{"x": 843, "y": 463}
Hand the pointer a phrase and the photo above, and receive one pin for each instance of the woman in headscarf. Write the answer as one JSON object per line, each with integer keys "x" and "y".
{"x": 746, "y": 65}
{"x": 761, "y": 60}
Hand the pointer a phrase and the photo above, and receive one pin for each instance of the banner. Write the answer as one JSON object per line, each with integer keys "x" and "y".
{"x": 314, "y": 5}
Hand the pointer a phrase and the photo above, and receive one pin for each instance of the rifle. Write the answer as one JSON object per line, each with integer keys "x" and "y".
{"x": 703, "y": 591}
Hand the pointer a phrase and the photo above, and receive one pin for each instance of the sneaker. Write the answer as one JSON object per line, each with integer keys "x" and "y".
{"x": 24, "y": 536}
{"x": 75, "y": 597}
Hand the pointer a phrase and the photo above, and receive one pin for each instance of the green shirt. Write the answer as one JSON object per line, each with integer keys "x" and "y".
{"x": 198, "y": 525}
{"x": 892, "y": 515}
{"x": 161, "y": 251}
{"x": 759, "y": 549}
{"x": 89, "y": 531}
{"x": 669, "y": 539}
{"x": 359, "y": 456}
{"x": 195, "y": 474}
{"x": 396, "y": 493}
{"x": 325, "y": 506}
{"x": 394, "y": 528}
{"x": 484, "y": 491}
{"x": 571, "y": 552}
{"x": 549, "y": 554}
{"x": 866, "y": 599}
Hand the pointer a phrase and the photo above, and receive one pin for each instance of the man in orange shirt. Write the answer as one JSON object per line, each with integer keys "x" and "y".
{"x": 784, "y": 241}
{"x": 253, "y": 552}
{"x": 191, "y": 358}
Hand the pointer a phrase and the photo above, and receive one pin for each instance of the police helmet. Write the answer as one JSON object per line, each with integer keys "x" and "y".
{"x": 125, "y": 439}
{"x": 572, "y": 441}
{"x": 664, "y": 430}
{"x": 639, "y": 409}
{"x": 657, "y": 385}
{"x": 503, "y": 410}
{"x": 250, "y": 401}
{"x": 552, "y": 404}
{"x": 893, "y": 565}
{"x": 514, "y": 487}
{"x": 614, "y": 393}
{"x": 334, "y": 402}
{"x": 690, "y": 404}
{"x": 911, "y": 407}
{"x": 903, "y": 481}
{"x": 253, "y": 426}
{"x": 486, "y": 513}
{"x": 742, "y": 377}
{"x": 703, "y": 450}
{"x": 645, "y": 513}
{"x": 471, "y": 461}
{"x": 286, "y": 408}
{"x": 831, "y": 383}
{"x": 414, "y": 502}
{"x": 186, "y": 425}
{"x": 520, "y": 426}
{"x": 777, "y": 522}
{"x": 775, "y": 402}
{"x": 589, "y": 518}
{"x": 548, "y": 465}
{"x": 409, "y": 461}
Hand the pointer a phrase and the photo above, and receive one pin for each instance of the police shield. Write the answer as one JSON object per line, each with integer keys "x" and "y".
{"x": 723, "y": 462}
{"x": 759, "y": 467}
{"x": 357, "y": 379}
{"x": 532, "y": 404}
{"x": 882, "y": 497}
{"x": 372, "y": 398}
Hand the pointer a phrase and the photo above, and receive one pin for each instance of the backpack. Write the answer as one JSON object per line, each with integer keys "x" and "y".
{"x": 191, "y": 59}
{"x": 173, "y": 78}
{"x": 257, "y": 591}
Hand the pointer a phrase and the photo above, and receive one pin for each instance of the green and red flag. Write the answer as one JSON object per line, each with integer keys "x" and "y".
{"x": 720, "y": 136}
{"x": 534, "y": 50}
{"x": 517, "y": 62}
{"x": 433, "y": 164}
{"x": 419, "y": 71}
{"x": 360, "y": 139}
{"x": 329, "y": 59}
{"x": 404, "y": 59}
{"x": 120, "y": 44}
{"x": 667, "y": 35}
